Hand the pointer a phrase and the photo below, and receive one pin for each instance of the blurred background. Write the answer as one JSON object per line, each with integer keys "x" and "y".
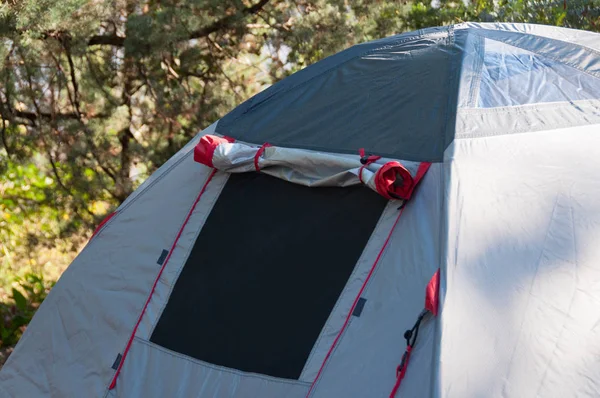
{"x": 96, "y": 95}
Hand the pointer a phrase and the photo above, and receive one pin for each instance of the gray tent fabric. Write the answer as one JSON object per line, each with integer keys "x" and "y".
{"x": 372, "y": 95}
{"x": 507, "y": 212}
{"x": 367, "y": 96}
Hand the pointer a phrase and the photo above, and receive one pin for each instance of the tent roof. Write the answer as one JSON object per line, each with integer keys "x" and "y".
{"x": 370, "y": 95}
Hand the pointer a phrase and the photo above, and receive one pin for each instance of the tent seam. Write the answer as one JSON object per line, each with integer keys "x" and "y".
{"x": 451, "y": 82}
{"x": 236, "y": 372}
{"x": 528, "y": 108}
{"x": 118, "y": 210}
{"x": 442, "y": 249}
{"x": 167, "y": 171}
{"x": 475, "y": 86}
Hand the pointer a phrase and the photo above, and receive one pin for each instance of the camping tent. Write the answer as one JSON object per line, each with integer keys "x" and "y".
{"x": 442, "y": 182}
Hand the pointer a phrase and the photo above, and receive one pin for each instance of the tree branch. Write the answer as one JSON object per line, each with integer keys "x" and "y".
{"x": 231, "y": 83}
{"x": 223, "y": 23}
{"x": 226, "y": 21}
{"x": 4, "y": 140}
{"x": 109, "y": 40}
{"x": 3, "y": 133}
{"x": 78, "y": 116}
{"x": 34, "y": 116}
{"x": 93, "y": 72}
{"x": 67, "y": 48}
{"x": 65, "y": 188}
{"x": 47, "y": 116}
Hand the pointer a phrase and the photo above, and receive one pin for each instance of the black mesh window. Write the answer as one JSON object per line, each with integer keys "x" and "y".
{"x": 265, "y": 272}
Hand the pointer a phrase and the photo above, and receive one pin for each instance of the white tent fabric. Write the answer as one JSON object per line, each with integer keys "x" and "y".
{"x": 520, "y": 315}
{"x": 507, "y": 212}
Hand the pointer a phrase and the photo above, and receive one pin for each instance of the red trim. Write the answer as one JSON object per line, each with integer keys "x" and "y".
{"x": 259, "y": 153}
{"x": 205, "y": 149}
{"x": 103, "y": 222}
{"x": 432, "y": 293}
{"x": 423, "y": 167}
{"x": 360, "y": 292}
{"x": 113, "y": 383}
{"x": 400, "y": 372}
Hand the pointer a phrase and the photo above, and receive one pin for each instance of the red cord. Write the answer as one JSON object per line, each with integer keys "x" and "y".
{"x": 259, "y": 153}
{"x": 113, "y": 383}
{"x": 400, "y": 372}
{"x": 337, "y": 338}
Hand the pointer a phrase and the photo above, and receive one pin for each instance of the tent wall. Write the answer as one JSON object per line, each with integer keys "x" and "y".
{"x": 71, "y": 343}
{"x": 370, "y": 347}
{"x": 521, "y": 303}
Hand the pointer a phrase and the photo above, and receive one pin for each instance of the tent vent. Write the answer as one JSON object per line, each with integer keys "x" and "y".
{"x": 115, "y": 365}
{"x": 162, "y": 257}
{"x": 360, "y": 304}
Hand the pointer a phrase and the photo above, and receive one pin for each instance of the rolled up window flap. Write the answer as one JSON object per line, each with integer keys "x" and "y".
{"x": 390, "y": 178}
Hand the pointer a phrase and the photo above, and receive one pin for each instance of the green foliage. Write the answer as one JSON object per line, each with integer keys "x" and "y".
{"x": 15, "y": 314}
{"x": 39, "y": 228}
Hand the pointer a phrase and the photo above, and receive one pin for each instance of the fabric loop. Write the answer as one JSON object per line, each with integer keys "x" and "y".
{"x": 365, "y": 161}
{"x": 431, "y": 307}
{"x": 258, "y": 154}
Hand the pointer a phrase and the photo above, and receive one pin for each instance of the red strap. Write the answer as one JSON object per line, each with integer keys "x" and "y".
{"x": 113, "y": 383}
{"x": 431, "y": 305}
{"x": 259, "y": 153}
{"x": 103, "y": 222}
{"x": 205, "y": 149}
{"x": 401, "y": 371}
{"x": 432, "y": 293}
{"x": 360, "y": 174}
{"x": 370, "y": 159}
